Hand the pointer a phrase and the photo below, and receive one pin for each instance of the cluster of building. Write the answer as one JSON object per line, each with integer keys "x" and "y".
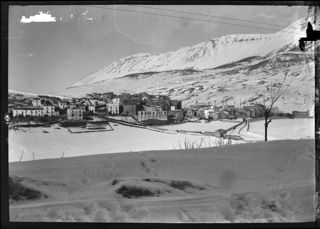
{"x": 38, "y": 108}
{"x": 213, "y": 112}
{"x": 141, "y": 106}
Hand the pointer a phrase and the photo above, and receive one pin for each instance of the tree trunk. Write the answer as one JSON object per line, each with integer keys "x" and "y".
{"x": 266, "y": 123}
{"x": 266, "y": 130}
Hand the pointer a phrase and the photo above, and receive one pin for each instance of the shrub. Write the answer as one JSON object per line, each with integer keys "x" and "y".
{"x": 18, "y": 192}
{"x": 136, "y": 192}
{"x": 203, "y": 143}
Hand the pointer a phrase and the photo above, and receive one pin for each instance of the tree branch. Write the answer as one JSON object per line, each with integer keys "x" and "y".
{"x": 268, "y": 121}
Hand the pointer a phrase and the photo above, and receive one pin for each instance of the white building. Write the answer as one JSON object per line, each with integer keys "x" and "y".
{"x": 92, "y": 108}
{"x": 116, "y": 101}
{"x": 62, "y": 104}
{"x": 36, "y": 102}
{"x": 311, "y": 111}
{"x": 27, "y": 111}
{"x": 34, "y": 111}
{"x": 49, "y": 110}
{"x": 208, "y": 113}
{"x": 113, "y": 107}
{"x": 147, "y": 115}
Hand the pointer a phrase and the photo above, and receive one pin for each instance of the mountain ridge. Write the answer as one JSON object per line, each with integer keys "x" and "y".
{"x": 204, "y": 55}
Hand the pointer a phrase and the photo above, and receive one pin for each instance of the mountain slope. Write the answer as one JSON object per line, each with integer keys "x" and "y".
{"x": 230, "y": 69}
{"x": 201, "y": 56}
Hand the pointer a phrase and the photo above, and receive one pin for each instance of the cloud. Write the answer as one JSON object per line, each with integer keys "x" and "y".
{"x": 41, "y": 17}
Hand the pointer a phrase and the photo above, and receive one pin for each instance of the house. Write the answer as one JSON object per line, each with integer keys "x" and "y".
{"x": 91, "y": 108}
{"x": 129, "y": 109}
{"x": 114, "y": 106}
{"x": 62, "y": 104}
{"x": 144, "y": 96}
{"x": 214, "y": 116}
{"x": 34, "y": 111}
{"x": 107, "y": 96}
{"x": 74, "y": 114}
{"x": 19, "y": 97}
{"x": 87, "y": 105}
{"x": 208, "y": 112}
{"x": 176, "y": 114}
{"x": 152, "y": 112}
{"x": 311, "y": 112}
{"x": 71, "y": 105}
{"x": 93, "y": 96}
{"x": 49, "y": 110}
{"x": 147, "y": 115}
{"x": 125, "y": 97}
{"x": 191, "y": 112}
{"x": 27, "y": 111}
{"x": 36, "y": 102}
{"x": 256, "y": 111}
{"x": 175, "y": 104}
{"x": 201, "y": 113}
{"x": 241, "y": 112}
{"x": 196, "y": 110}
{"x": 300, "y": 114}
{"x": 152, "y": 108}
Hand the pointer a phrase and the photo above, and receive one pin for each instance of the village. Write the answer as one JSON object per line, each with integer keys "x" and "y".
{"x": 139, "y": 108}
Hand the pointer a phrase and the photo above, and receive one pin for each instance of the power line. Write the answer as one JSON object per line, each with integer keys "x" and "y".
{"x": 208, "y": 15}
{"x": 188, "y": 18}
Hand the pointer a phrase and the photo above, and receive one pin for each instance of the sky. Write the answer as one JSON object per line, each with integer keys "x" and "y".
{"x": 52, "y": 47}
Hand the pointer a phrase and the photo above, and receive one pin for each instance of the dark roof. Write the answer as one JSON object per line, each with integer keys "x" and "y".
{"x": 127, "y": 103}
{"x": 47, "y": 103}
{"x": 175, "y": 102}
{"x": 28, "y": 108}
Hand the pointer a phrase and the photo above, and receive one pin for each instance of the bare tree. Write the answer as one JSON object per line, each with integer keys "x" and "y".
{"x": 272, "y": 93}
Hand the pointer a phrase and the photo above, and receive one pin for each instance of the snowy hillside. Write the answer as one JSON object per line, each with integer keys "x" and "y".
{"x": 28, "y": 94}
{"x": 228, "y": 69}
{"x": 201, "y": 56}
{"x": 258, "y": 182}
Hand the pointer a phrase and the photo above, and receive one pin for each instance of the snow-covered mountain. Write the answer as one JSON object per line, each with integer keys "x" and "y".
{"x": 229, "y": 68}
{"x": 202, "y": 56}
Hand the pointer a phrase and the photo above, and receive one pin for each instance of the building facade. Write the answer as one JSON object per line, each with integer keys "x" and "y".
{"x": 34, "y": 111}
{"x": 300, "y": 114}
{"x": 36, "y": 102}
{"x": 113, "y": 108}
{"x": 62, "y": 104}
{"x": 129, "y": 109}
{"x": 74, "y": 114}
{"x": 147, "y": 115}
{"x": 176, "y": 114}
{"x": 27, "y": 112}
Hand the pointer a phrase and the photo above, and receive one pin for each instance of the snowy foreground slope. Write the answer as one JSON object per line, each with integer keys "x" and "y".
{"x": 230, "y": 69}
{"x": 257, "y": 182}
